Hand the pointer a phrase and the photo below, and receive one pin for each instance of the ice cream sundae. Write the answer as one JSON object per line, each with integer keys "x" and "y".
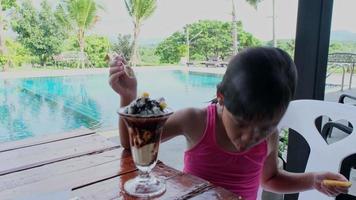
{"x": 145, "y": 118}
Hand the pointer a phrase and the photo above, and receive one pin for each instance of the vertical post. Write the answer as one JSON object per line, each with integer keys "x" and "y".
{"x": 188, "y": 43}
{"x": 343, "y": 78}
{"x": 351, "y": 73}
{"x": 312, "y": 46}
{"x": 311, "y": 54}
{"x": 274, "y": 23}
{"x": 234, "y": 28}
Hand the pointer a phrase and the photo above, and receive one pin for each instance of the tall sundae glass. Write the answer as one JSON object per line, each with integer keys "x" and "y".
{"x": 144, "y": 119}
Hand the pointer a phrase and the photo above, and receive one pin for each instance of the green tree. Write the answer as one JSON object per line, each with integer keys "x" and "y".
{"x": 246, "y": 39}
{"x": 213, "y": 39}
{"x": 139, "y": 10}
{"x": 287, "y": 45}
{"x": 148, "y": 56}
{"x": 170, "y": 50}
{"x": 123, "y": 46}
{"x": 78, "y": 15}
{"x": 17, "y": 53}
{"x": 97, "y": 47}
{"x": 342, "y": 47}
{"x": 39, "y": 32}
{"x": 4, "y": 5}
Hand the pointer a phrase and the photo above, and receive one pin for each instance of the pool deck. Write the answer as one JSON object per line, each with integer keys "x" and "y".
{"x": 85, "y": 165}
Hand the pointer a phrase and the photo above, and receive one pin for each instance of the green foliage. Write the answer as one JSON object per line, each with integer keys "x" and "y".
{"x": 17, "y": 53}
{"x": 254, "y": 3}
{"x": 214, "y": 40}
{"x": 286, "y": 45}
{"x": 334, "y": 47}
{"x": 148, "y": 56}
{"x": 70, "y": 44}
{"x": 3, "y": 59}
{"x": 170, "y": 50}
{"x": 39, "y": 32}
{"x": 208, "y": 39}
{"x": 283, "y": 142}
{"x": 97, "y": 47}
{"x": 246, "y": 39}
{"x": 342, "y": 47}
{"x": 123, "y": 46}
{"x": 7, "y": 4}
{"x": 140, "y": 9}
{"x": 77, "y": 14}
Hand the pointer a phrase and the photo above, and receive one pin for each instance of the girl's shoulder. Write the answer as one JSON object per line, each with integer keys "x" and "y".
{"x": 192, "y": 122}
{"x": 194, "y": 112}
{"x": 192, "y": 115}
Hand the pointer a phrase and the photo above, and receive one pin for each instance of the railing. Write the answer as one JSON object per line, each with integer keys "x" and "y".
{"x": 345, "y": 61}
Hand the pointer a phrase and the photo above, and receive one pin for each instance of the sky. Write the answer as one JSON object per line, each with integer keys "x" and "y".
{"x": 172, "y": 15}
{"x": 344, "y": 15}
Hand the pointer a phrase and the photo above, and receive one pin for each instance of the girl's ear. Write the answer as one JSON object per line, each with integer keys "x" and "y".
{"x": 220, "y": 98}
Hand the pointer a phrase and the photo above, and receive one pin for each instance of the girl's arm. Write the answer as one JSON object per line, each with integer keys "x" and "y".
{"x": 188, "y": 121}
{"x": 126, "y": 87}
{"x": 280, "y": 181}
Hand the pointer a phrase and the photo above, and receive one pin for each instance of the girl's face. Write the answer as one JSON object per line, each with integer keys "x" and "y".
{"x": 244, "y": 135}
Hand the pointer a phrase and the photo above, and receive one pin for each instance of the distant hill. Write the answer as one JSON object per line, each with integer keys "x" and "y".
{"x": 343, "y": 36}
{"x": 150, "y": 42}
{"x": 340, "y": 36}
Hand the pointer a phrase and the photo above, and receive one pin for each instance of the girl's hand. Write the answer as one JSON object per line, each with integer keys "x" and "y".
{"x": 331, "y": 191}
{"x": 120, "y": 82}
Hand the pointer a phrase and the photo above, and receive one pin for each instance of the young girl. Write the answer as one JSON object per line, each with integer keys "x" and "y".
{"x": 233, "y": 142}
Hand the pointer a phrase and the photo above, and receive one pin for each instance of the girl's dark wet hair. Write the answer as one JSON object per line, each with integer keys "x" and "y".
{"x": 259, "y": 83}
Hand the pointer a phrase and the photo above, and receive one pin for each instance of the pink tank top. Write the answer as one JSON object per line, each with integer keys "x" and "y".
{"x": 237, "y": 172}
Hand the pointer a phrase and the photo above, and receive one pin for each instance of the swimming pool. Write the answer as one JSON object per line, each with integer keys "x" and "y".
{"x": 50, "y": 105}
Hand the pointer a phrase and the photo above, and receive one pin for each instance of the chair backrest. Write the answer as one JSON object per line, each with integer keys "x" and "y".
{"x": 301, "y": 116}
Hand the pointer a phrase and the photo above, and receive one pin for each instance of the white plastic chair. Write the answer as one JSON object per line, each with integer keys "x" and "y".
{"x": 301, "y": 116}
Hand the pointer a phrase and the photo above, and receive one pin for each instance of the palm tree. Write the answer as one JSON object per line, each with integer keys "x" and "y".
{"x": 139, "y": 10}
{"x": 253, "y": 3}
{"x": 79, "y": 15}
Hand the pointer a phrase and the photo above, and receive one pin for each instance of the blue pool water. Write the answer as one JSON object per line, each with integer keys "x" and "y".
{"x": 38, "y": 106}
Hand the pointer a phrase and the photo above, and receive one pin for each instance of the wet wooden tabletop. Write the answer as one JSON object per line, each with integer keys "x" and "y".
{"x": 85, "y": 165}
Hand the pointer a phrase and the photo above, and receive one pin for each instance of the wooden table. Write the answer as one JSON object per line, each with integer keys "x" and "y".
{"x": 85, "y": 165}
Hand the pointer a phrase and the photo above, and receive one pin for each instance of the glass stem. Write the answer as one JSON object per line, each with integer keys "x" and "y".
{"x": 145, "y": 175}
